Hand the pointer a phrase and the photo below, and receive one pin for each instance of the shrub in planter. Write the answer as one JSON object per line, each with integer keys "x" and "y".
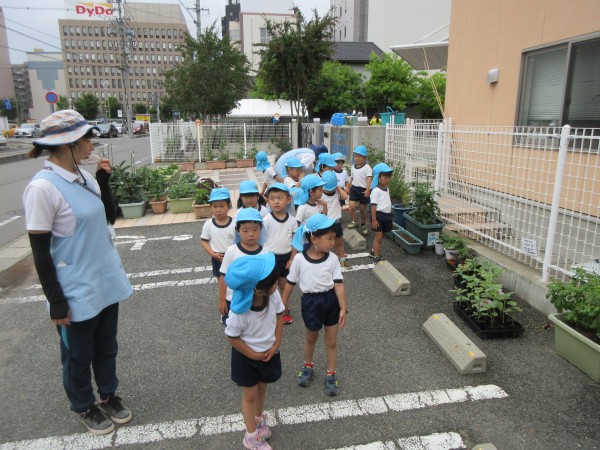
{"x": 181, "y": 197}
{"x": 400, "y": 194}
{"x": 188, "y": 177}
{"x": 456, "y": 250}
{"x": 423, "y": 221}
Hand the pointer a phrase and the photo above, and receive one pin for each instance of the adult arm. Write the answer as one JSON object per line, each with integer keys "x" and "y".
{"x": 102, "y": 177}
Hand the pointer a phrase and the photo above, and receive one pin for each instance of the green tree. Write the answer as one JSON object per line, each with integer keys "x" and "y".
{"x": 62, "y": 103}
{"x": 113, "y": 107}
{"x": 337, "y": 88}
{"x": 392, "y": 83}
{"x": 211, "y": 78}
{"x": 87, "y": 105}
{"x": 293, "y": 57}
{"x": 140, "y": 108}
{"x": 10, "y": 114}
{"x": 427, "y": 101}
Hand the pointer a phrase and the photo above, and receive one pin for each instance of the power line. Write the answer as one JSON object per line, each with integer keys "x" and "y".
{"x": 30, "y": 37}
{"x": 33, "y": 29}
{"x": 25, "y": 51}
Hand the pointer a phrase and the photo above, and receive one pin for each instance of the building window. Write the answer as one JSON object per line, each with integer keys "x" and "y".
{"x": 65, "y": 29}
{"x": 145, "y": 32}
{"x": 71, "y": 32}
{"x": 96, "y": 31}
{"x": 102, "y": 31}
{"x": 94, "y": 70}
{"x": 169, "y": 34}
{"x": 93, "y": 58}
{"x": 88, "y": 70}
{"x": 83, "y": 31}
{"x": 77, "y": 31}
{"x": 560, "y": 85}
{"x": 344, "y": 31}
{"x": 162, "y": 33}
{"x": 68, "y": 55}
{"x": 264, "y": 36}
{"x": 180, "y": 34}
{"x": 95, "y": 82}
{"x": 66, "y": 43}
{"x": 69, "y": 70}
{"x": 170, "y": 47}
{"x": 71, "y": 83}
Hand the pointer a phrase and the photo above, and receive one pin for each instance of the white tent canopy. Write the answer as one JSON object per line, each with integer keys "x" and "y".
{"x": 424, "y": 55}
{"x": 252, "y": 107}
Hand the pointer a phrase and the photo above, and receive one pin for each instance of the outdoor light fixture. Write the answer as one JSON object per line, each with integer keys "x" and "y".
{"x": 492, "y": 76}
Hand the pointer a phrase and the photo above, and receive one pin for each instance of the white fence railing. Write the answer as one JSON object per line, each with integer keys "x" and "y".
{"x": 187, "y": 141}
{"x": 532, "y": 194}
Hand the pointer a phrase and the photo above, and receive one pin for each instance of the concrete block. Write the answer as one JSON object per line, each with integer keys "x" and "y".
{"x": 354, "y": 239}
{"x": 393, "y": 280}
{"x": 460, "y": 350}
{"x": 487, "y": 446}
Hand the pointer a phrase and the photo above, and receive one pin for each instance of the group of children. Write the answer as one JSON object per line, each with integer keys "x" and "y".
{"x": 282, "y": 235}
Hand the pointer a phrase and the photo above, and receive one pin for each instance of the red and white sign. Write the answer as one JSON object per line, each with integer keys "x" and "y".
{"x": 91, "y": 10}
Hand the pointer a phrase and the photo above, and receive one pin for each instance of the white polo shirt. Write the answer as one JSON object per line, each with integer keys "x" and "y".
{"x": 315, "y": 275}
{"x": 359, "y": 176}
{"x": 219, "y": 237}
{"x": 334, "y": 209}
{"x": 269, "y": 175}
{"x": 279, "y": 233}
{"x": 306, "y": 211}
{"x": 382, "y": 199}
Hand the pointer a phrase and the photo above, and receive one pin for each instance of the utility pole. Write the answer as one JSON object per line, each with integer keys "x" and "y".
{"x": 197, "y": 10}
{"x": 126, "y": 35}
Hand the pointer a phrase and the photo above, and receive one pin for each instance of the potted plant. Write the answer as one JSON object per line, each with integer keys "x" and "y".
{"x": 187, "y": 166}
{"x": 181, "y": 197}
{"x": 242, "y": 160}
{"x": 216, "y": 162}
{"x": 129, "y": 191}
{"x": 407, "y": 241}
{"x": 423, "y": 221}
{"x": 577, "y": 324}
{"x": 482, "y": 303}
{"x": 201, "y": 205}
{"x": 156, "y": 187}
{"x": 400, "y": 194}
{"x": 455, "y": 249}
{"x": 188, "y": 177}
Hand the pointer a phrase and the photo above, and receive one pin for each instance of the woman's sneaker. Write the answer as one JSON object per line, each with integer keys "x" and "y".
{"x": 352, "y": 225}
{"x": 331, "y": 385}
{"x": 96, "y": 421}
{"x": 262, "y": 428}
{"x": 256, "y": 442}
{"x": 114, "y": 408}
{"x": 305, "y": 376}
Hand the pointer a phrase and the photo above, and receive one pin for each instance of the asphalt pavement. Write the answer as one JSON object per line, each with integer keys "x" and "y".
{"x": 397, "y": 389}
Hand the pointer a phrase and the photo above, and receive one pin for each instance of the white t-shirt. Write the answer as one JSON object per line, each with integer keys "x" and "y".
{"x": 382, "y": 199}
{"x": 269, "y": 176}
{"x": 342, "y": 178}
{"x": 334, "y": 209}
{"x": 306, "y": 211}
{"x": 256, "y": 328}
{"x": 359, "y": 176}
{"x": 220, "y": 237}
{"x": 314, "y": 276}
{"x": 45, "y": 207}
{"x": 290, "y": 182}
{"x": 233, "y": 253}
{"x": 279, "y": 233}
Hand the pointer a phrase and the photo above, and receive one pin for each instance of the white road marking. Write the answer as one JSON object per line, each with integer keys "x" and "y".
{"x": 139, "y": 241}
{"x": 207, "y": 426}
{"x": 9, "y": 220}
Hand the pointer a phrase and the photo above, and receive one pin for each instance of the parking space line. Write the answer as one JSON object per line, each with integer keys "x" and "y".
{"x": 318, "y": 412}
{"x": 435, "y": 441}
{"x": 9, "y": 220}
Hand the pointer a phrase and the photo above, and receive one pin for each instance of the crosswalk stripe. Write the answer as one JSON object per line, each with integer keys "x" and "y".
{"x": 318, "y": 412}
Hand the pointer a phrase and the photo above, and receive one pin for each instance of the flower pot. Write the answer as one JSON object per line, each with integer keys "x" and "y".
{"x": 426, "y": 233}
{"x": 483, "y": 328}
{"x": 244, "y": 162}
{"x": 216, "y": 164}
{"x": 133, "y": 210}
{"x": 202, "y": 211}
{"x": 408, "y": 241}
{"x": 580, "y": 351}
{"x": 439, "y": 248}
{"x": 399, "y": 210}
{"x": 451, "y": 258}
{"x": 159, "y": 206}
{"x": 182, "y": 205}
{"x": 187, "y": 166}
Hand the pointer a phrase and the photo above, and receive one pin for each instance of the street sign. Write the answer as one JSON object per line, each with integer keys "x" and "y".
{"x": 7, "y": 104}
{"x": 119, "y": 113}
{"x": 51, "y": 97}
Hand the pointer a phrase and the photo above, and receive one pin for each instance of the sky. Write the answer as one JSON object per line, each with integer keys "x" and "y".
{"x": 40, "y": 22}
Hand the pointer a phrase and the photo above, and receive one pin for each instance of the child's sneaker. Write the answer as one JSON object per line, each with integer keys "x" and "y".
{"x": 331, "y": 385}
{"x": 256, "y": 442}
{"x": 287, "y": 317}
{"x": 305, "y": 376}
{"x": 114, "y": 408}
{"x": 96, "y": 421}
{"x": 378, "y": 259}
{"x": 262, "y": 428}
{"x": 364, "y": 230}
{"x": 352, "y": 225}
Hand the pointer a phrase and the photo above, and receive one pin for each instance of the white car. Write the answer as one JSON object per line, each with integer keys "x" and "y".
{"x": 28, "y": 130}
{"x": 3, "y": 140}
{"x": 118, "y": 126}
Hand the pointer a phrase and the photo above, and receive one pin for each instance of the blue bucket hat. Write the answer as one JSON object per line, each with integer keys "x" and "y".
{"x": 339, "y": 156}
{"x": 325, "y": 159}
{"x": 297, "y": 194}
{"x": 242, "y": 277}
{"x": 279, "y": 187}
{"x": 307, "y": 183}
{"x": 248, "y": 187}
{"x": 219, "y": 194}
{"x": 249, "y": 215}
{"x": 330, "y": 179}
{"x": 294, "y": 163}
{"x": 361, "y": 150}
{"x": 262, "y": 161}
{"x": 314, "y": 223}
{"x": 377, "y": 170}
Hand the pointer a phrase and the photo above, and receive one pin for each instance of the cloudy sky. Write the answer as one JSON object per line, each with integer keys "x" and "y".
{"x": 37, "y": 26}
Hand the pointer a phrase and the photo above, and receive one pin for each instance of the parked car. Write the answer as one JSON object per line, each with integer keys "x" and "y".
{"x": 28, "y": 130}
{"x": 138, "y": 128}
{"x": 107, "y": 130}
{"x": 3, "y": 140}
{"x": 11, "y": 130}
{"x": 119, "y": 126}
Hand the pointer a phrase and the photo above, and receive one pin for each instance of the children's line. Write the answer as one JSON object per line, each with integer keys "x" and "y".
{"x": 318, "y": 412}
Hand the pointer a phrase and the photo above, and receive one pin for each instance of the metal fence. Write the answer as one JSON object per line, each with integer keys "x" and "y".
{"x": 529, "y": 193}
{"x": 180, "y": 142}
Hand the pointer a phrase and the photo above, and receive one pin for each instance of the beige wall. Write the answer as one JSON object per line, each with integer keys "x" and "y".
{"x": 486, "y": 34}
{"x": 250, "y": 25}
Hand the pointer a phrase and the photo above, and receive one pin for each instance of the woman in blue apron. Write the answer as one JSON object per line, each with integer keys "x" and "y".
{"x": 67, "y": 214}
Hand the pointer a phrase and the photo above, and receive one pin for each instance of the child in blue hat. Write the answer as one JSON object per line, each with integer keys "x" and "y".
{"x": 250, "y": 198}
{"x": 311, "y": 202}
{"x": 361, "y": 175}
{"x": 255, "y": 329}
{"x": 381, "y": 207}
{"x": 324, "y": 163}
{"x": 332, "y": 195}
{"x": 294, "y": 168}
{"x": 269, "y": 174}
{"x": 318, "y": 273}
{"x": 218, "y": 233}
{"x": 341, "y": 174}
{"x": 247, "y": 241}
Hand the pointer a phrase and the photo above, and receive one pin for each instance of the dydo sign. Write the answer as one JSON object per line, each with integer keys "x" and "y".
{"x": 88, "y": 10}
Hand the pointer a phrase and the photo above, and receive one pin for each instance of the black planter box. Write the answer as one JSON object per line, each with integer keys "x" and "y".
{"x": 483, "y": 329}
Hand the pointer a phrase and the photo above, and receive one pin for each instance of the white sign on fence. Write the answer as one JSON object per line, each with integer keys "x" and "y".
{"x": 529, "y": 246}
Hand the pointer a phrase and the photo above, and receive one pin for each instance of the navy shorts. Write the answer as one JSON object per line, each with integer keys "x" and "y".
{"x": 280, "y": 262}
{"x": 216, "y": 266}
{"x": 337, "y": 227}
{"x": 357, "y": 194}
{"x": 247, "y": 372}
{"x": 385, "y": 222}
{"x": 320, "y": 309}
